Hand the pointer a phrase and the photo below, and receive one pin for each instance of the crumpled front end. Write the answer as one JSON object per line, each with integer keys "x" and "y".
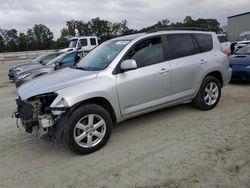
{"x": 36, "y": 112}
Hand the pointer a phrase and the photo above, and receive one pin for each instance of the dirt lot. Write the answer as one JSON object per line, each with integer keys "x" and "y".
{"x": 175, "y": 147}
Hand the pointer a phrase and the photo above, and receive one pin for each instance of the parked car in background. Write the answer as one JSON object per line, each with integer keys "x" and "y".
{"x": 68, "y": 59}
{"x": 240, "y": 44}
{"x": 225, "y": 43}
{"x": 243, "y": 39}
{"x": 43, "y": 59}
{"x": 84, "y": 43}
{"x": 122, "y": 78}
{"x": 240, "y": 63}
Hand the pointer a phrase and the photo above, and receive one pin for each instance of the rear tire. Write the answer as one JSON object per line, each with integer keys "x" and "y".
{"x": 209, "y": 94}
{"x": 88, "y": 129}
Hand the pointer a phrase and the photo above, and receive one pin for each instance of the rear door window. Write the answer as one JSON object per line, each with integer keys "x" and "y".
{"x": 204, "y": 41}
{"x": 180, "y": 45}
{"x": 84, "y": 42}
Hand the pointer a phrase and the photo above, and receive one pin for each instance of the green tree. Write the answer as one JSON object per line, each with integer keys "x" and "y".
{"x": 71, "y": 24}
{"x": 1, "y": 44}
{"x": 10, "y": 39}
{"x": 43, "y": 36}
{"x": 22, "y": 42}
{"x": 101, "y": 28}
{"x": 118, "y": 28}
{"x": 164, "y": 23}
{"x": 210, "y": 24}
{"x": 189, "y": 22}
{"x": 83, "y": 28}
{"x": 31, "y": 40}
{"x": 64, "y": 32}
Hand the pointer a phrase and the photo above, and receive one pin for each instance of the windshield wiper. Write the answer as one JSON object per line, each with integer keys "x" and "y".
{"x": 89, "y": 68}
{"x": 81, "y": 68}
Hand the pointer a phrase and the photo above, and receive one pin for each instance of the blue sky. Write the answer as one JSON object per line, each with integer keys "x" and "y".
{"x": 23, "y": 14}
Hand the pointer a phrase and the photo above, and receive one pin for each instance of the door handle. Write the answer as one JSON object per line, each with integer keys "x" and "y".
{"x": 203, "y": 62}
{"x": 163, "y": 70}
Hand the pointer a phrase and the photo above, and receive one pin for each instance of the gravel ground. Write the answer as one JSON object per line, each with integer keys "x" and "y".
{"x": 175, "y": 147}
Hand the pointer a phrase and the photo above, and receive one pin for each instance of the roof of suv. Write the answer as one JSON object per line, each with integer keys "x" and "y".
{"x": 134, "y": 36}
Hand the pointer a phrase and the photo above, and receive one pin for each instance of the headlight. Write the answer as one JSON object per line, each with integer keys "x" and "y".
{"x": 22, "y": 76}
{"x": 17, "y": 69}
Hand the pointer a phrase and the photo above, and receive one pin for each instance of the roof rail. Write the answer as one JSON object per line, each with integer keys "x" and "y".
{"x": 129, "y": 32}
{"x": 178, "y": 28}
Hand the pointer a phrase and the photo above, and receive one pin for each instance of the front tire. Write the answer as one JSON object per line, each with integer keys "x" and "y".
{"x": 88, "y": 129}
{"x": 209, "y": 94}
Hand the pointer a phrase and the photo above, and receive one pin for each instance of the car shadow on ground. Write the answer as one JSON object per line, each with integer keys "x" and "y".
{"x": 60, "y": 148}
{"x": 238, "y": 82}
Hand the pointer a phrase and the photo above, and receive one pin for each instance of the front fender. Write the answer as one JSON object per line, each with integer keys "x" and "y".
{"x": 100, "y": 87}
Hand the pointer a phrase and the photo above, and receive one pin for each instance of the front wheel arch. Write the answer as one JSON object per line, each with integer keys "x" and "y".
{"x": 101, "y": 101}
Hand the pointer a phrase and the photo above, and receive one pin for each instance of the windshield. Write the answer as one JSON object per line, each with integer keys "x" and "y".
{"x": 38, "y": 59}
{"x": 53, "y": 61}
{"x": 244, "y": 50}
{"x": 73, "y": 43}
{"x": 102, "y": 56}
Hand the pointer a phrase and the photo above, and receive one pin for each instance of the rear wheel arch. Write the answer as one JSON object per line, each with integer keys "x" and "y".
{"x": 216, "y": 74}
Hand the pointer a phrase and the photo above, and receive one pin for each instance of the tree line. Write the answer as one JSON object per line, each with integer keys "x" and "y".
{"x": 40, "y": 37}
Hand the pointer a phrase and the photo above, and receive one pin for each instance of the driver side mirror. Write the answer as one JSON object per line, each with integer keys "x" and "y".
{"x": 129, "y": 64}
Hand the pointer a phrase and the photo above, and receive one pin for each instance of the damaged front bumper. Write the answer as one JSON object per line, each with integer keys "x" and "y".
{"x": 37, "y": 112}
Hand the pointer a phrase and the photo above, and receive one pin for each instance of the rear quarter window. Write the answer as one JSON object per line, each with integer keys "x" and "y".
{"x": 204, "y": 41}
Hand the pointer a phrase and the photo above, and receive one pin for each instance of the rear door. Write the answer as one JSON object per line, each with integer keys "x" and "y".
{"x": 186, "y": 64}
{"x": 149, "y": 85}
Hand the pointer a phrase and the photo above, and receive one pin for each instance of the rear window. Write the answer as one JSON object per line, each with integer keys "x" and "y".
{"x": 180, "y": 45}
{"x": 205, "y": 42}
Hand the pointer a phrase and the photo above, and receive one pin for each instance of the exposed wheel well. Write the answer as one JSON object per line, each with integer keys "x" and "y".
{"x": 103, "y": 103}
{"x": 217, "y": 75}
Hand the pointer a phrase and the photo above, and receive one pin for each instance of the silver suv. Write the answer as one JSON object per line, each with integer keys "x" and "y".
{"x": 122, "y": 78}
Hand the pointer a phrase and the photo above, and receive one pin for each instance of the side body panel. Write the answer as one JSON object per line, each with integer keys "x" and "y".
{"x": 143, "y": 88}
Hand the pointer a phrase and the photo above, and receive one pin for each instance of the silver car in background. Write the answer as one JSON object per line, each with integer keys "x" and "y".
{"x": 67, "y": 59}
{"x": 42, "y": 59}
{"x": 122, "y": 78}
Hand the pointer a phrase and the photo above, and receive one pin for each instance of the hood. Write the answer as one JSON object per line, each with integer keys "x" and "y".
{"x": 240, "y": 60}
{"x": 29, "y": 67}
{"x": 67, "y": 49}
{"x": 21, "y": 65}
{"x": 54, "y": 81}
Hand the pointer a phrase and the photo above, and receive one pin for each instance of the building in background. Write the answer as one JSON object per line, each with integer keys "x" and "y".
{"x": 238, "y": 24}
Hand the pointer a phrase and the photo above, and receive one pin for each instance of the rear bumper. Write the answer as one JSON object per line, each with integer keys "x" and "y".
{"x": 241, "y": 73}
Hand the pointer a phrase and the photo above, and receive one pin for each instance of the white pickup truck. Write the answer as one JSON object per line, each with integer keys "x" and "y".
{"x": 84, "y": 43}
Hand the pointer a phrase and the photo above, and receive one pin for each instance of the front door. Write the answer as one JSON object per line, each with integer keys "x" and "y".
{"x": 147, "y": 86}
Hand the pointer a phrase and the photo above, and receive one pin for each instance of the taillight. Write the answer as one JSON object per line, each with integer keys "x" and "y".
{"x": 225, "y": 51}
